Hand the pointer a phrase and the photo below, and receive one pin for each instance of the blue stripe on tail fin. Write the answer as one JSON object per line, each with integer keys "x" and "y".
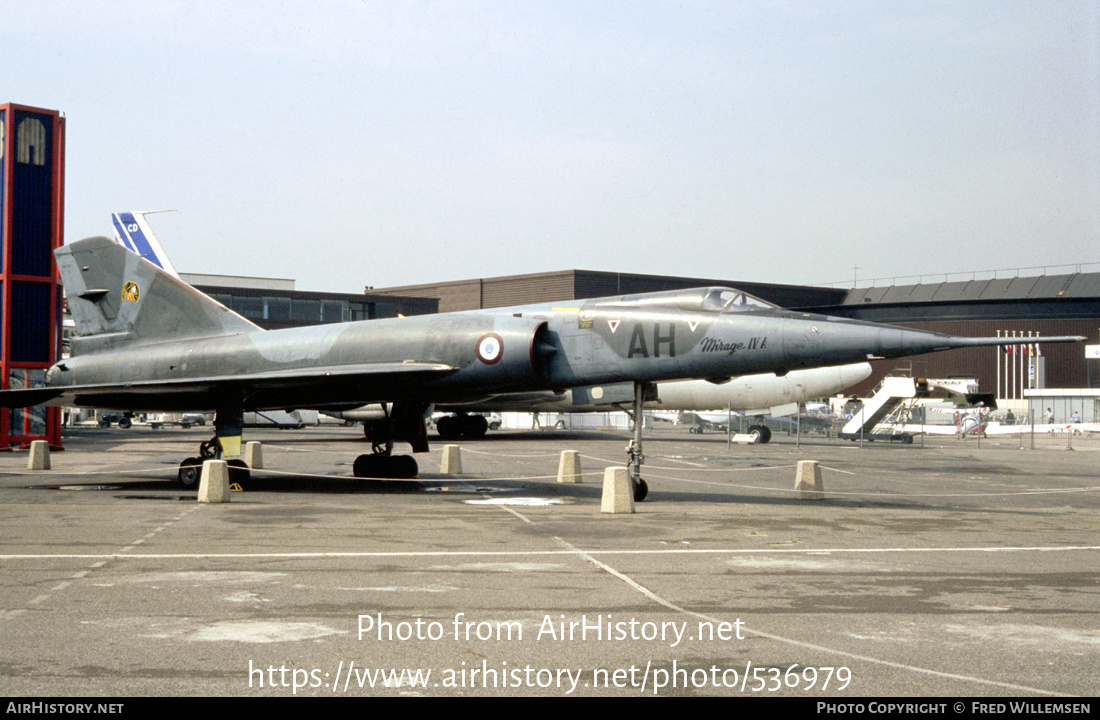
{"x": 134, "y": 233}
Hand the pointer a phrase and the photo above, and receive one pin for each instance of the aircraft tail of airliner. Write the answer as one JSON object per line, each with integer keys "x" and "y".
{"x": 133, "y": 232}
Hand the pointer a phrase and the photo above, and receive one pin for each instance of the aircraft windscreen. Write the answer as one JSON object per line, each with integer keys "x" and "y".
{"x": 705, "y": 299}
{"x": 726, "y": 300}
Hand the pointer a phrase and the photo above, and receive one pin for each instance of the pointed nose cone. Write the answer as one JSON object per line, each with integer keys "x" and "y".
{"x": 899, "y": 342}
{"x": 887, "y": 341}
{"x": 852, "y": 374}
{"x": 810, "y": 340}
{"x": 837, "y": 339}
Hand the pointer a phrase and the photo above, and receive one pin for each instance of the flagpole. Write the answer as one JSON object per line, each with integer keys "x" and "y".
{"x": 1012, "y": 364}
{"x": 997, "y": 367}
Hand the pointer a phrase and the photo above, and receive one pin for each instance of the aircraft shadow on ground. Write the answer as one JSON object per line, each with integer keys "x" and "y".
{"x": 451, "y": 487}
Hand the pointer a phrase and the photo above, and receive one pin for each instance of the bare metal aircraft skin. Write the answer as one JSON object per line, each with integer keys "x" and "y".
{"x": 147, "y": 341}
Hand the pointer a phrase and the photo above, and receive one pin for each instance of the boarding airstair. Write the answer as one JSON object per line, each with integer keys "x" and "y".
{"x": 892, "y": 393}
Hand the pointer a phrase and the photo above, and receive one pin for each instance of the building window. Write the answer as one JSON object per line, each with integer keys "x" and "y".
{"x": 276, "y": 308}
{"x": 250, "y": 307}
{"x": 306, "y": 311}
{"x": 334, "y": 312}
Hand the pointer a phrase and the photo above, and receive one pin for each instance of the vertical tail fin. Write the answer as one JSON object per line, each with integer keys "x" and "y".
{"x": 117, "y": 298}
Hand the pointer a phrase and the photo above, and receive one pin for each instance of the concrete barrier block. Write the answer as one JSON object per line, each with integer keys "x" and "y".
{"x": 214, "y": 482}
{"x": 745, "y": 438}
{"x": 569, "y": 467}
{"x": 618, "y": 491}
{"x": 807, "y": 481}
{"x": 452, "y": 460}
{"x": 39, "y": 458}
{"x": 254, "y": 455}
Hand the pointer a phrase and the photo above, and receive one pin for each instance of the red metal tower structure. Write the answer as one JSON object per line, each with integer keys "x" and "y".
{"x": 32, "y": 197}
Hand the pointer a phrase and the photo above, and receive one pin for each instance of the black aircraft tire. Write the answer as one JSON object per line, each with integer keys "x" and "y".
{"x": 641, "y": 489}
{"x": 190, "y": 473}
{"x": 462, "y": 427}
{"x": 762, "y": 432}
{"x": 366, "y": 466}
{"x": 447, "y": 429}
{"x": 385, "y": 467}
{"x": 477, "y": 426}
{"x": 405, "y": 467}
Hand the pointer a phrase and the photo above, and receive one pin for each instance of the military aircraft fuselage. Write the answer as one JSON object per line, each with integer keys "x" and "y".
{"x": 704, "y": 333}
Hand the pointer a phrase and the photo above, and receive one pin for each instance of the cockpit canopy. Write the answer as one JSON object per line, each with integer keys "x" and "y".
{"x": 703, "y": 299}
{"x": 728, "y": 299}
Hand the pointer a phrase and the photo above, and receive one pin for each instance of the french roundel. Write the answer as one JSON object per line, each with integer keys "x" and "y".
{"x": 490, "y": 348}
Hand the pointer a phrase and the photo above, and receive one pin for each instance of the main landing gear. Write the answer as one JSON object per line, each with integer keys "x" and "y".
{"x": 190, "y": 471}
{"x": 228, "y": 426}
{"x": 383, "y": 464}
{"x": 404, "y": 421}
{"x": 462, "y": 426}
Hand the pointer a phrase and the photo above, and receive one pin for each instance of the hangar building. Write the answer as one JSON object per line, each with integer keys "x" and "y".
{"x": 274, "y": 303}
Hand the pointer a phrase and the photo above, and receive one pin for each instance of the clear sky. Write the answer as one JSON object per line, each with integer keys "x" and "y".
{"x": 347, "y": 143}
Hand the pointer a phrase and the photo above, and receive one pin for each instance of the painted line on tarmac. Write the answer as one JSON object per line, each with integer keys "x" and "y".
{"x": 879, "y": 495}
{"x": 514, "y": 553}
{"x": 791, "y": 641}
{"x": 123, "y": 552}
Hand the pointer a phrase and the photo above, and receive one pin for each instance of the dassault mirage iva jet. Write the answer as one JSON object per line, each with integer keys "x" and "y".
{"x": 147, "y": 341}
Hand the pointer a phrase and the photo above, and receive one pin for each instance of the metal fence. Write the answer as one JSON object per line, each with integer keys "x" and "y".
{"x": 1023, "y": 434}
{"x": 1064, "y": 436}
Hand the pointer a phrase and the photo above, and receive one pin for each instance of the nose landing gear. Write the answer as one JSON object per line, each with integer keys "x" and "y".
{"x": 635, "y": 457}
